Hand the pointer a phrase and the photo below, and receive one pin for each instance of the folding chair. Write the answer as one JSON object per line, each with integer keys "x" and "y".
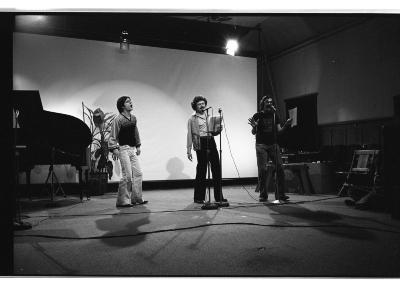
{"x": 363, "y": 172}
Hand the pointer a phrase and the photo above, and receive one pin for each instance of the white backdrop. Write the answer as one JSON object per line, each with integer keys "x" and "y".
{"x": 161, "y": 83}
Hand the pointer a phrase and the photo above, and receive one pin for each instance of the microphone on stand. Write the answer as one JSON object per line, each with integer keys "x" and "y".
{"x": 219, "y": 110}
{"x": 207, "y": 108}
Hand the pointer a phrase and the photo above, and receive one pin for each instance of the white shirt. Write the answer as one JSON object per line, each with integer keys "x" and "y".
{"x": 201, "y": 119}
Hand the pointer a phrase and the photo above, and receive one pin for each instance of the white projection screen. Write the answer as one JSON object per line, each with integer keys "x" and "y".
{"x": 161, "y": 82}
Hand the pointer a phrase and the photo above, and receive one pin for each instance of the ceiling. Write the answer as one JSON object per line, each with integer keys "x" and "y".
{"x": 272, "y": 33}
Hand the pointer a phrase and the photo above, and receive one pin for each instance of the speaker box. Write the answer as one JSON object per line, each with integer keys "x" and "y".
{"x": 321, "y": 176}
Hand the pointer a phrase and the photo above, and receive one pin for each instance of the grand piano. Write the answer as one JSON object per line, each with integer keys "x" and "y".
{"x": 49, "y": 138}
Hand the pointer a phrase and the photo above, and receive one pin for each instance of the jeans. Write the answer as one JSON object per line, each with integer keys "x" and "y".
{"x": 265, "y": 170}
{"x": 201, "y": 170}
{"x": 130, "y": 186}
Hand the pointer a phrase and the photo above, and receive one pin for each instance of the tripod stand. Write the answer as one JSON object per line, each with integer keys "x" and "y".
{"x": 53, "y": 178}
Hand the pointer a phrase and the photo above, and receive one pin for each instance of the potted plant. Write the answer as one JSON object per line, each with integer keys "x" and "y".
{"x": 101, "y": 168}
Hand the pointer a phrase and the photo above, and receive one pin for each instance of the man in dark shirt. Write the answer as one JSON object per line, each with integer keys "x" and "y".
{"x": 265, "y": 125}
{"x": 124, "y": 142}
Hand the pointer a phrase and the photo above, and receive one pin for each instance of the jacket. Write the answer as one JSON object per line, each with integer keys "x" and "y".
{"x": 193, "y": 134}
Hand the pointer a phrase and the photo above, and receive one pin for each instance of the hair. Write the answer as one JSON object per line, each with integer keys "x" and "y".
{"x": 196, "y": 99}
{"x": 121, "y": 102}
{"x": 264, "y": 99}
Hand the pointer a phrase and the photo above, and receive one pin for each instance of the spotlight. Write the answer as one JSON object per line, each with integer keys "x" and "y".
{"x": 124, "y": 41}
{"x": 231, "y": 47}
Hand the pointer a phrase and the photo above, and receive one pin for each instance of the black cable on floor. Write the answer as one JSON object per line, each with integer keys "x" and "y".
{"x": 207, "y": 225}
{"x": 241, "y": 205}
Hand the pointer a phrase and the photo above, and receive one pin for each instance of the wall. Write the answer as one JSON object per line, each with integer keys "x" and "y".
{"x": 161, "y": 82}
{"x": 355, "y": 72}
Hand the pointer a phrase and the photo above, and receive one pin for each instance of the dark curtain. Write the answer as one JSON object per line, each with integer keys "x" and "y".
{"x": 7, "y": 196}
{"x": 304, "y": 136}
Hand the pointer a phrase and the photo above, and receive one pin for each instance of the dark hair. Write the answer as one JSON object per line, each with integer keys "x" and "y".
{"x": 121, "y": 102}
{"x": 196, "y": 99}
{"x": 264, "y": 99}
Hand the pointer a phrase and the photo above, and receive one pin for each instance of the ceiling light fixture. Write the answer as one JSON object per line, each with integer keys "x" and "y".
{"x": 124, "y": 40}
{"x": 231, "y": 47}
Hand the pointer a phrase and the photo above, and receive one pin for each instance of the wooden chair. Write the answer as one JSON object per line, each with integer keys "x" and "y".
{"x": 363, "y": 172}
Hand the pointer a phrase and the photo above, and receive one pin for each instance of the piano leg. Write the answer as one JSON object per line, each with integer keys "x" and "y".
{"x": 80, "y": 184}
{"x": 28, "y": 183}
{"x": 87, "y": 180}
{"x": 83, "y": 186}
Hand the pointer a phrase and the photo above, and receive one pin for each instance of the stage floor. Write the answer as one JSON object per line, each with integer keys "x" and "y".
{"x": 316, "y": 236}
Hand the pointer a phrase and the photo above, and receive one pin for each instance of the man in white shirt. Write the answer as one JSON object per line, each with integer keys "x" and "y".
{"x": 201, "y": 140}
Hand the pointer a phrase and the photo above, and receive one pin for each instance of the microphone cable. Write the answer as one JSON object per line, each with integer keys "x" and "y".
{"x": 233, "y": 159}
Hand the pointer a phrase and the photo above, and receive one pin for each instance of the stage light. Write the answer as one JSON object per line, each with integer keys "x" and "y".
{"x": 231, "y": 47}
{"x": 124, "y": 40}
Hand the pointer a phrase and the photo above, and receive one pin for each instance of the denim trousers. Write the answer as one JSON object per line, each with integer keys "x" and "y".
{"x": 266, "y": 153}
{"x": 130, "y": 185}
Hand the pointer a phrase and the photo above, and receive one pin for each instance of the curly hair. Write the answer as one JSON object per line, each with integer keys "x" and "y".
{"x": 121, "y": 102}
{"x": 196, "y": 99}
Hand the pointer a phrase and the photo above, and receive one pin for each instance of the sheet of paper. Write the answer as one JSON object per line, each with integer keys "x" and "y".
{"x": 293, "y": 115}
{"x": 215, "y": 124}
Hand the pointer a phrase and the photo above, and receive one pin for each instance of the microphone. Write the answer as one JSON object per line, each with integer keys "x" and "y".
{"x": 207, "y": 108}
{"x": 272, "y": 107}
{"x": 219, "y": 110}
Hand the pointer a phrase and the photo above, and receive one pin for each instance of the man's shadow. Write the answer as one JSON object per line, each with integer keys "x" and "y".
{"x": 325, "y": 221}
{"x": 122, "y": 227}
{"x": 185, "y": 224}
{"x": 175, "y": 168}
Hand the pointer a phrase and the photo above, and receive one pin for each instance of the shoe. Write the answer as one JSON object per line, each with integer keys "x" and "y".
{"x": 223, "y": 200}
{"x": 263, "y": 199}
{"x": 199, "y": 201}
{"x": 142, "y": 202}
{"x": 284, "y": 198}
{"x": 125, "y": 206}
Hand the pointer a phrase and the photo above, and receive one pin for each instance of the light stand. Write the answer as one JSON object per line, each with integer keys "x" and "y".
{"x": 208, "y": 205}
{"x": 221, "y": 203}
{"x": 54, "y": 178}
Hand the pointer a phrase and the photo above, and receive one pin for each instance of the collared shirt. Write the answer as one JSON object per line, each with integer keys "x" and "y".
{"x": 124, "y": 131}
{"x": 201, "y": 119}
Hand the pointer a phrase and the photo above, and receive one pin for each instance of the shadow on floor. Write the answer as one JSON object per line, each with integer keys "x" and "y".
{"x": 325, "y": 221}
{"x": 193, "y": 215}
{"x": 45, "y": 204}
{"x": 121, "y": 228}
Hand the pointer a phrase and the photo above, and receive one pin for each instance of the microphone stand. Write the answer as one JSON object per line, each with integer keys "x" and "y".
{"x": 277, "y": 194}
{"x": 221, "y": 203}
{"x": 208, "y": 205}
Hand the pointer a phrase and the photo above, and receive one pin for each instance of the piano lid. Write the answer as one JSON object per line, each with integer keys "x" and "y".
{"x": 44, "y": 129}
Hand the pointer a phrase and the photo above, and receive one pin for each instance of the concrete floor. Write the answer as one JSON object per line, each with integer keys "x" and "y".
{"x": 317, "y": 236}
